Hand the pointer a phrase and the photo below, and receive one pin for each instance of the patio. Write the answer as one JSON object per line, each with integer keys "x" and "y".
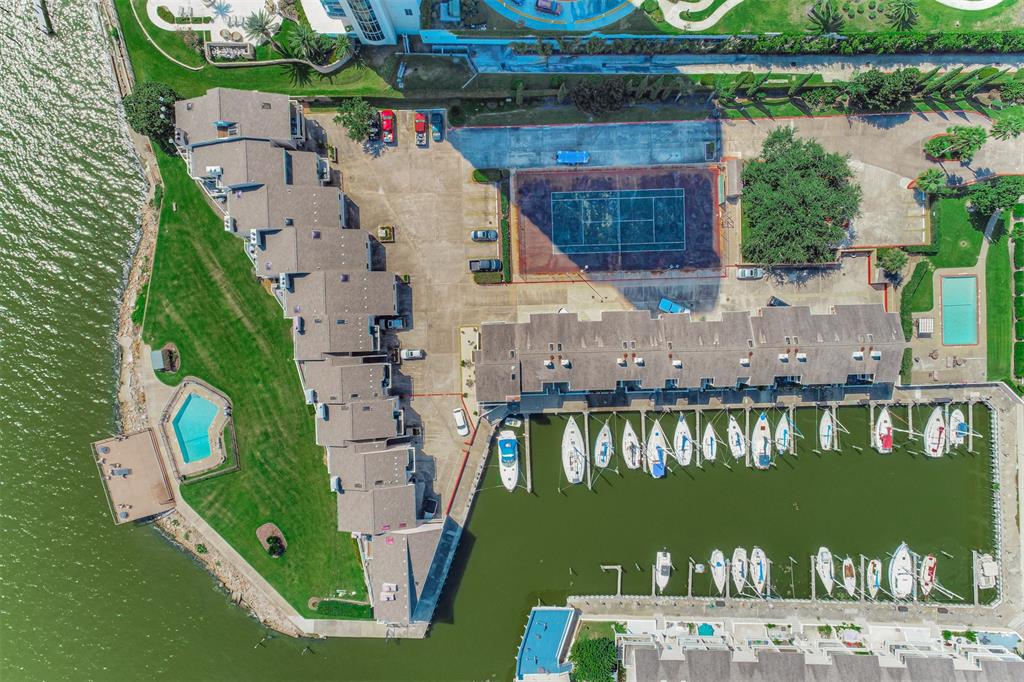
{"x": 224, "y": 20}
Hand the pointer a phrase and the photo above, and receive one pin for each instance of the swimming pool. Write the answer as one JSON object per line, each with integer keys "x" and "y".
{"x": 960, "y": 310}
{"x": 192, "y": 427}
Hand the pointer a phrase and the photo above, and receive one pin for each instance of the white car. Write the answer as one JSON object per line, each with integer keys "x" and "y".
{"x": 412, "y": 354}
{"x": 461, "y": 425}
{"x": 750, "y": 273}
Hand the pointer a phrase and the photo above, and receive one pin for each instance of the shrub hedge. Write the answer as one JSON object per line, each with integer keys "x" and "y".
{"x": 1020, "y": 330}
{"x": 1018, "y": 282}
{"x": 906, "y": 364}
{"x": 1018, "y": 307}
{"x": 1018, "y": 253}
{"x": 1018, "y": 359}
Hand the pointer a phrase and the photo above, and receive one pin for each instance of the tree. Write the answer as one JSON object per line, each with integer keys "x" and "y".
{"x": 275, "y": 546}
{"x": 959, "y": 142}
{"x": 902, "y": 14}
{"x": 259, "y": 26}
{"x": 797, "y": 201}
{"x": 882, "y": 91}
{"x": 307, "y": 43}
{"x": 1000, "y": 193}
{"x": 892, "y": 260}
{"x": 342, "y": 46}
{"x": 1013, "y": 91}
{"x": 593, "y": 660}
{"x": 354, "y": 115}
{"x": 598, "y": 98}
{"x": 1008, "y": 123}
{"x": 150, "y": 110}
{"x": 931, "y": 181}
{"x": 825, "y": 18}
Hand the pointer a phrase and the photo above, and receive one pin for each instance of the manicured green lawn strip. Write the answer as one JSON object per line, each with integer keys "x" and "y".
{"x": 231, "y": 333}
{"x": 960, "y": 236}
{"x": 998, "y": 302}
{"x": 170, "y": 41}
{"x": 149, "y": 64}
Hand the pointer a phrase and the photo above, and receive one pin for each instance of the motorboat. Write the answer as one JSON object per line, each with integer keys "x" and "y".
{"x": 663, "y": 569}
{"x": 656, "y": 450}
{"x": 573, "y": 459}
{"x": 849, "y": 577}
{"x": 630, "y": 447}
{"x": 826, "y": 430}
{"x": 927, "y": 576}
{"x": 737, "y": 443}
{"x": 825, "y": 569}
{"x": 718, "y": 570}
{"x": 709, "y": 446}
{"x": 874, "y": 577}
{"x": 901, "y": 573}
{"x": 682, "y": 442}
{"x": 739, "y": 568}
{"x": 761, "y": 442}
{"x": 782, "y": 435}
{"x": 883, "y": 432}
{"x": 508, "y": 459}
{"x": 957, "y": 428}
{"x": 935, "y": 434}
{"x": 604, "y": 448}
{"x": 758, "y": 570}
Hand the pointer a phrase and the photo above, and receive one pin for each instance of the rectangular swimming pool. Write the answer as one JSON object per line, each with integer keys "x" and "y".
{"x": 192, "y": 427}
{"x": 960, "y": 310}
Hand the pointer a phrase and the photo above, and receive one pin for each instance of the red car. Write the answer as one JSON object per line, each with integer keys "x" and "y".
{"x": 387, "y": 125}
{"x": 421, "y": 129}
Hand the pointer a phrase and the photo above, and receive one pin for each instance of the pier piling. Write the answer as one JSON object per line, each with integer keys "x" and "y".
{"x": 689, "y": 578}
{"x": 586, "y": 450}
{"x": 974, "y": 575}
{"x": 698, "y": 443}
{"x": 970, "y": 426}
{"x": 792, "y": 432}
{"x": 910, "y": 420}
{"x": 529, "y": 461}
{"x": 746, "y": 435}
{"x": 814, "y": 584}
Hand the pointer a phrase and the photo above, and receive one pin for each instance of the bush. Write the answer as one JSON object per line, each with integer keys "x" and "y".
{"x": 1018, "y": 254}
{"x": 906, "y": 365}
{"x": 1019, "y": 327}
{"x": 486, "y": 175}
{"x": 999, "y": 193}
{"x": 201, "y": 549}
{"x": 1018, "y": 282}
{"x": 330, "y": 608}
{"x": 275, "y": 546}
{"x": 487, "y": 277}
{"x": 892, "y": 260}
{"x": 1013, "y": 91}
{"x": 1018, "y": 307}
{"x": 149, "y": 109}
{"x": 140, "y": 307}
{"x": 1018, "y": 359}
{"x": 1018, "y": 211}
{"x": 598, "y": 97}
{"x": 593, "y": 660}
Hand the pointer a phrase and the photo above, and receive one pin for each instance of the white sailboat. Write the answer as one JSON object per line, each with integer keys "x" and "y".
{"x": 874, "y": 577}
{"x": 739, "y": 568}
{"x": 663, "y": 570}
{"x": 630, "y": 447}
{"x": 825, "y": 569}
{"x": 849, "y": 577}
{"x": 682, "y": 442}
{"x": 508, "y": 459}
{"x": 656, "y": 450}
{"x": 573, "y": 459}
{"x": 782, "y": 435}
{"x": 883, "y": 432}
{"x": 718, "y": 570}
{"x": 927, "y": 576}
{"x": 935, "y": 434}
{"x": 826, "y": 430}
{"x": 758, "y": 570}
{"x": 901, "y": 573}
{"x": 737, "y": 442}
{"x": 957, "y": 428}
{"x": 604, "y": 448}
{"x": 761, "y": 442}
{"x": 709, "y": 446}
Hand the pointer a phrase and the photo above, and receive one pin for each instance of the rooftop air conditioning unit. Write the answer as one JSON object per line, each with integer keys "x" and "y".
{"x": 802, "y": 357}
{"x": 876, "y": 355}
{"x": 229, "y": 224}
{"x": 639, "y": 361}
{"x": 566, "y": 363}
{"x": 858, "y": 355}
{"x": 622, "y": 362}
{"x": 254, "y": 237}
{"x": 745, "y": 362}
{"x": 299, "y": 325}
{"x": 310, "y": 396}
{"x": 550, "y": 364}
{"x": 214, "y": 171}
{"x": 283, "y": 281}
{"x": 678, "y": 364}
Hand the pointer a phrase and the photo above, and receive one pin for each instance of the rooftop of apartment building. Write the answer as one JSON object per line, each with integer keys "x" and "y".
{"x": 303, "y": 248}
{"x": 340, "y": 379}
{"x": 377, "y": 510}
{"x": 224, "y": 112}
{"x": 242, "y": 163}
{"x": 363, "y": 466}
{"x": 358, "y": 420}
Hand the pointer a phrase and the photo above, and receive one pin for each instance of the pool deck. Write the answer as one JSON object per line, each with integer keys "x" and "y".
{"x": 134, "y": 477}
{"x": 192, "y": 386}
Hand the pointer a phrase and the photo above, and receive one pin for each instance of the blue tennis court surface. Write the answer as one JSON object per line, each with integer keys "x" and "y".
{"x": 617, "y": 221}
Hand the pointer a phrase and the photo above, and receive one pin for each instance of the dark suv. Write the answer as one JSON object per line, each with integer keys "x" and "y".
{"x": 485, "y": 265}
{"x": 373, "y": 130}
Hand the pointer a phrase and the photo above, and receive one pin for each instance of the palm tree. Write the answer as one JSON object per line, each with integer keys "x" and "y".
{"x": 1008, "y": 123}
{"x": 902, "y": 14}
{"x": 932, "y": 181}
{"x": 342, "y": 46}
{"x": 259, "y": 26}
{"x": 825, "y": 18}
{"x": 307, "y": 43}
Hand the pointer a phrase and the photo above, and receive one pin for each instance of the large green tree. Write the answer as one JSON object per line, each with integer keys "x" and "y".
{"x": 998, "y": 193}
{"x": 149, "y": 109}
{"x": 797, "y": 201}
{"x": 593, "y": 660}
{"x": 882, "y": 91}
{"x": 354, "y": 114}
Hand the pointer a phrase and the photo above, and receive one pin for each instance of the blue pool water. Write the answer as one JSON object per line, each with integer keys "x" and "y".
{"x": 192, "y": 427}
{"x": 545, "y": 634}
{"x": 1008, "y": 640}
{"x": 960, "y": 310}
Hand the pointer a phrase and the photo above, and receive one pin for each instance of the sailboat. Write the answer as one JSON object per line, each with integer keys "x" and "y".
{"x": 630, "y": 447}
{"x": 883, "y": 432}
{"x": 758, "y": 570}
{"x": 927, "y": 576}
{"x": 709, "y": 446}
{"x": 508, "y": 459}
{"x": 826, "y": 430}
{"x": 935, "y": 434}
{"x": 682, "y": 442}
{"x": 663, "y": 569}
{"x": 656, "y": 450}
{"x": 874, "y": 577}
{"x": 761, "y": 441}
{"x": 737, "y": 443}
{"x": 573, "y": 459}
{"x": 782, "y": 435}
{"x": 604, "y": 448}
{"x": 718, "y": 570}
{"x": 901, "y": 573}
{"x": 957, "y": 428}
{"x": 739, "y": 568}
{"x": 849, "y": 577}
{"x": 825, "y": 569}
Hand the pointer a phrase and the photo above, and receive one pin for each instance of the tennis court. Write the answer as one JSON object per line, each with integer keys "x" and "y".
{"x": 618, "y": 220}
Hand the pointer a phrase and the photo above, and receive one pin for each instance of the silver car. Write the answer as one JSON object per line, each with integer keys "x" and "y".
{"x": 750, "y": 273}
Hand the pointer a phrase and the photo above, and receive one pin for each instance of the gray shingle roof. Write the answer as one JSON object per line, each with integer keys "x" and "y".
{"x": 359, "y": 420}
{"x": 255, "y": 114}
{"x": 362, "y": 466}
{"x": 377, "y": 510}
{"x": 304, "y": 248}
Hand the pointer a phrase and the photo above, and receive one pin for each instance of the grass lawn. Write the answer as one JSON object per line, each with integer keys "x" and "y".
{"x": 149, "y": 64}
{"x": 231, "y": 333}
{"x": 998, "y": 307}
{"x": 960, "y": 234}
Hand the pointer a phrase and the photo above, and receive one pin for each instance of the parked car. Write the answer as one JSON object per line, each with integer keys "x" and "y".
{"x": 373, "y": 131}
{"x": 484, "y": 235}
{"x": 437, "y": 126}
{"x": 461, "y": 425}
{"x": 387, "y": 125}
{"x": 548, "y": 7}
{"x": 394, "y": 323}
{"x": 412, "y": 354}
{"x": 485, "y": 265}
{"x": 775, "y": 302}
{"x": 421, "y": 129}
{"x": 750, "y": 273}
